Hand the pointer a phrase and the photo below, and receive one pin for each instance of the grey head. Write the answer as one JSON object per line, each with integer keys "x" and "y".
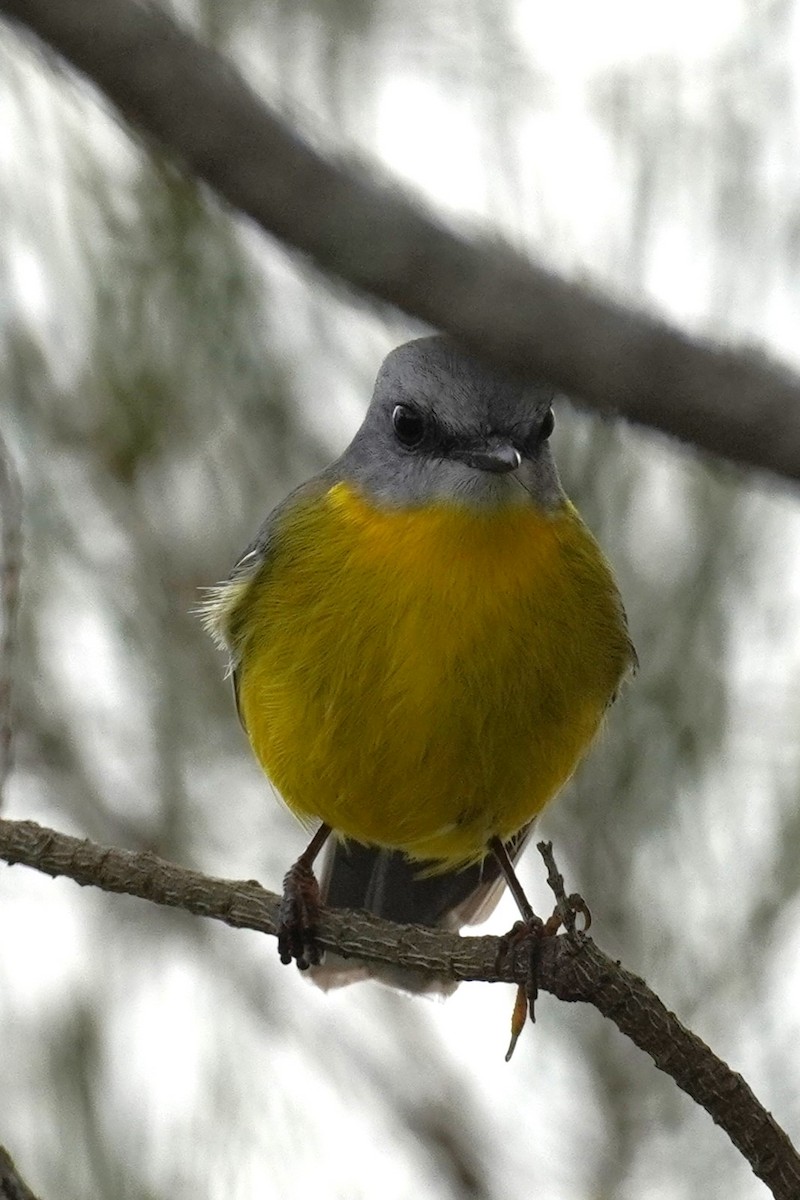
{"x": 443, "y": 426}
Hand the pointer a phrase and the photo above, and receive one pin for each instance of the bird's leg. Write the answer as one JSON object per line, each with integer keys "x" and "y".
{"x": 299, "y": 912}
{"x": 509, "y": 874}
{"x": 529, "y": 932}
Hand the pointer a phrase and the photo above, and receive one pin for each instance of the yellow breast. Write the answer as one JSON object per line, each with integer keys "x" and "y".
{"x": 425, "y": 679}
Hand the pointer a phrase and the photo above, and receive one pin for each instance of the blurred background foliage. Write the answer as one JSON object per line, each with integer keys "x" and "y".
{"x": 167, "y": 374}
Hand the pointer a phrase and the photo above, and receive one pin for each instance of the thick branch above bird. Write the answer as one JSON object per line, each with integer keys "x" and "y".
{"x": 361, "y": 226}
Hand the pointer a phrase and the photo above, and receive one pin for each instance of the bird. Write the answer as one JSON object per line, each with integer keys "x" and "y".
{"x": 424, "y": 640}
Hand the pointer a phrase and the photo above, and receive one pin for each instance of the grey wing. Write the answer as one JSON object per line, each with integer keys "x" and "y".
{"x": 223, "y": 604}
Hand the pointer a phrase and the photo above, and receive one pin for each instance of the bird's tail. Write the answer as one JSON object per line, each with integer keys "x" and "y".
{"x": 389, "y": 885}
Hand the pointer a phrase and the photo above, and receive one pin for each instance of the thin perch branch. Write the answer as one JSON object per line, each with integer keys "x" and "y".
{"x": 571, "y": 968}
{"x": 360, "y": 227}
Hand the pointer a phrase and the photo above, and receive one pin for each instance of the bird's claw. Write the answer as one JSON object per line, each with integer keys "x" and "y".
{"x": 299, "y": 917}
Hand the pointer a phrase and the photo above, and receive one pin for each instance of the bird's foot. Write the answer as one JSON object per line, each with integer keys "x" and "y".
{"x": 299, "y": 917}
{"x": 528, "y": 934}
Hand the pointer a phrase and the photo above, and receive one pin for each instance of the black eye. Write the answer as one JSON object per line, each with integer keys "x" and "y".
{"x": 409, "y": 425}
{"x": 547, "y": 426}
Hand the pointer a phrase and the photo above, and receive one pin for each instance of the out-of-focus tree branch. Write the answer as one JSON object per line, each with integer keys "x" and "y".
{"x": 10, "y": 564}
{"x": 12, "y": 1185}
{"x": 571, "y": 967}
{"x": 361, "y": 228}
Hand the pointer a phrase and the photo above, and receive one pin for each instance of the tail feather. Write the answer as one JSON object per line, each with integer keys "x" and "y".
{"x": 389, "y": 885}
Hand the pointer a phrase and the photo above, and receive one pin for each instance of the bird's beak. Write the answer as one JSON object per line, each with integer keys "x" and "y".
{"x": 498, "y": 457}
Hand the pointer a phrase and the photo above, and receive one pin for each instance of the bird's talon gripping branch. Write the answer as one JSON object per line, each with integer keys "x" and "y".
{"x": 299, "y": 913}
{"x": 299, "y": 917}
{"x": 530, "y": 934}
{"x": 553, "y": 923}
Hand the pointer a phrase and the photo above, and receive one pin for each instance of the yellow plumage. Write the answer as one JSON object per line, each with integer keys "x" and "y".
{"x": 424, "y": 678}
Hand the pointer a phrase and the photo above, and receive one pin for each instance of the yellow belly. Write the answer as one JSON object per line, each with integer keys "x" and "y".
{"x": 424, "y": 680}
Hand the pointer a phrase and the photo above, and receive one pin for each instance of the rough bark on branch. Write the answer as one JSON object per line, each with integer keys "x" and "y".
{"x": 572, "y": 968}
{"x": 360, "y": 227}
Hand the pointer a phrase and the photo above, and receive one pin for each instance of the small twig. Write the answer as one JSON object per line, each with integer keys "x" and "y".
{"x": 567, "y": 907}
{"x": 555, "y": 882}
{"x": 12, "y": 1185}
{"x": 570, "y": 968}
{"x": 10, "y": 566}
